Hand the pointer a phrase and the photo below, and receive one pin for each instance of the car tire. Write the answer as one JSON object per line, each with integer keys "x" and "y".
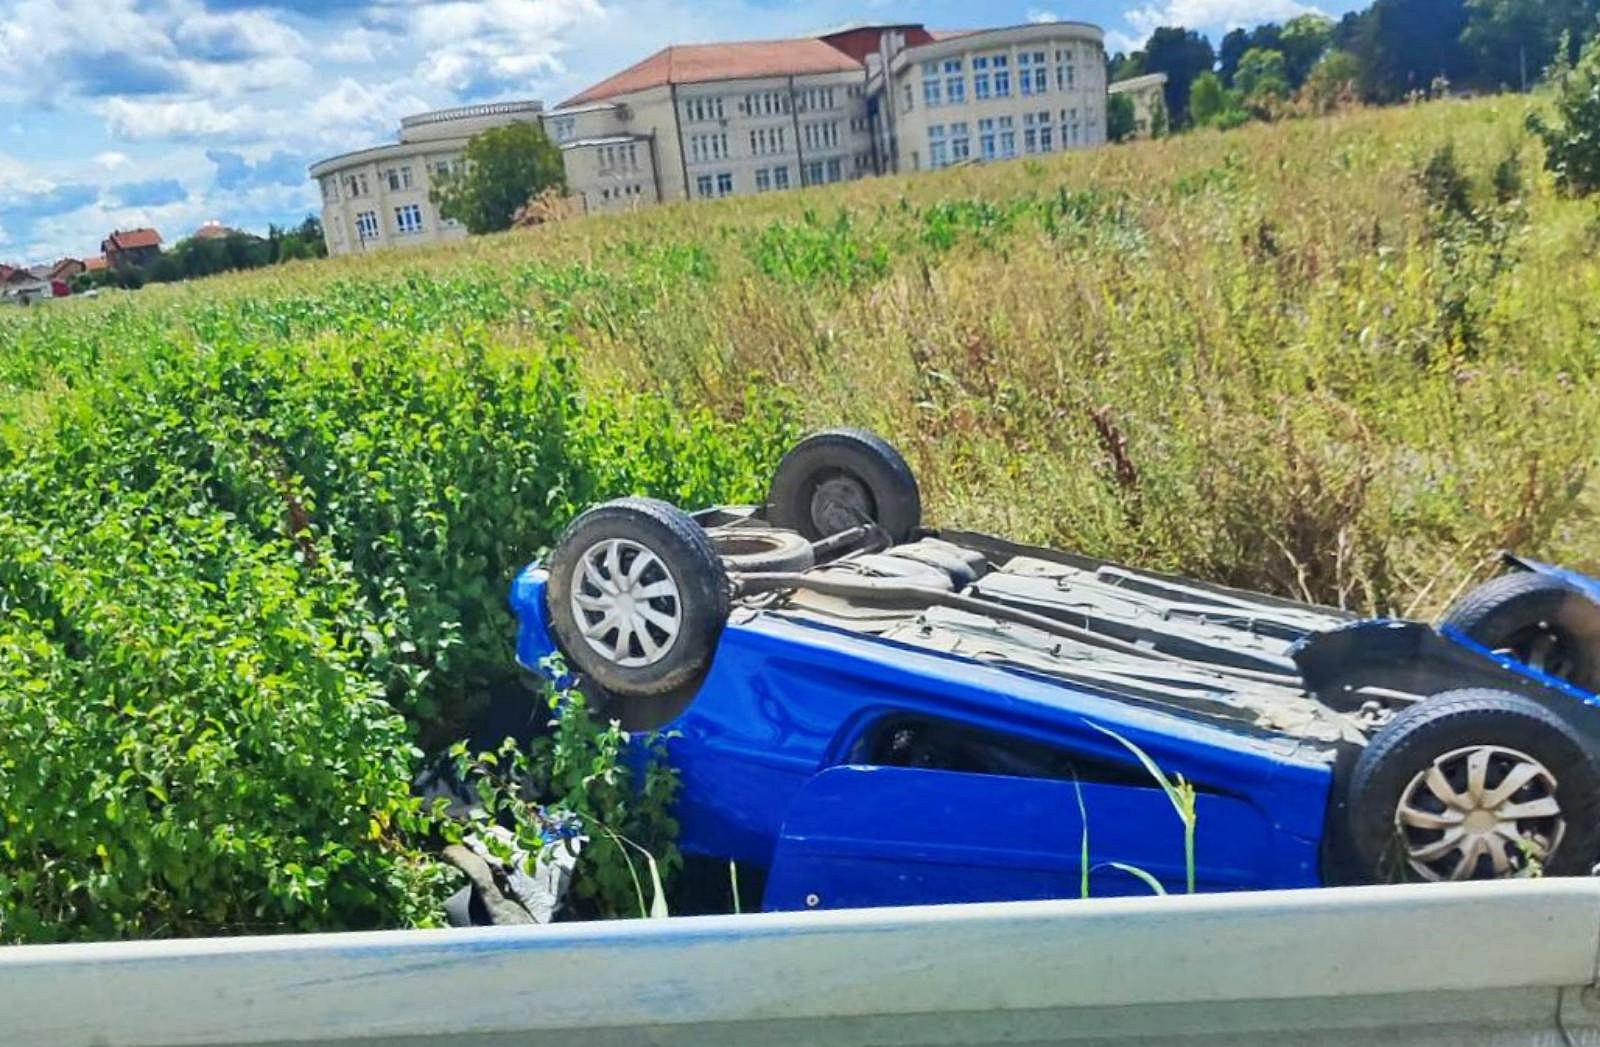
{"x": 1414, "y": 811}
{"x": 745, "y": 550}
{"x": 1541, "y": 621}
{"x": 648, "y": 570}
{"x": 839, "y": 478}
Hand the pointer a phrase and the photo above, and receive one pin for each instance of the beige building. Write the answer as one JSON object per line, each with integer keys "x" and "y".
{"x": 702, "y": 121}
{"x": 988, "y": 95}
{"x": 711, "y": 120}
{"x": 1149, "y": 95}
{"x": 378, "y": 197}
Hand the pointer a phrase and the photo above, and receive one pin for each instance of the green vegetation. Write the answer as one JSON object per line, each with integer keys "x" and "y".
{"x": 196, "y": 256}
{"x": 256, "y": 532}
{"x": 504, "y": 168}
{"x": 1389, "y": 51}
{"x": 1572, "y": 139}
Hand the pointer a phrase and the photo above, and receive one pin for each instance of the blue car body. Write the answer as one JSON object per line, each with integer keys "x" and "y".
{"x": 776, "y": 749}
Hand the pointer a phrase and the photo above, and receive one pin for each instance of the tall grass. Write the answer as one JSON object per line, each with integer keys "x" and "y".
{"x": 1340, "y": 359}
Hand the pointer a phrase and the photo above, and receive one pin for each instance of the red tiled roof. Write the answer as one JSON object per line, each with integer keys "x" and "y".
{"x": 213, "y": 231}
{"x": 124, "y": 240}
{"x": 94, "y": 264}
{"x": 698, "y": 63}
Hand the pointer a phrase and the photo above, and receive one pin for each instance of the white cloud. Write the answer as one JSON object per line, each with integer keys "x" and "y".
{"x": 111, "y": 160}
{"x": 141, "y": 120}
{"x": 1038, "y": 14}
{"x": 485, "y": 47}
{"x": 1201, "y": 14}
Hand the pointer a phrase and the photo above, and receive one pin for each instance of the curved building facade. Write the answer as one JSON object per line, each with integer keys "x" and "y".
{"x": 376, "y": 198}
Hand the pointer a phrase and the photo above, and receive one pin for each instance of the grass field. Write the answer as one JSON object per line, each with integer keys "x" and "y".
{"x": 256, "y": 531}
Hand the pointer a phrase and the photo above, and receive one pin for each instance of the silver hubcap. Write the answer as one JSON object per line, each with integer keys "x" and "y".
{"x": 626, "y": 603}
{"x": 1480, "y": 812}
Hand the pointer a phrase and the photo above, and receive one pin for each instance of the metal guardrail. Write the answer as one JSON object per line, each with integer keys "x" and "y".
{"x": 1478, "y": 964}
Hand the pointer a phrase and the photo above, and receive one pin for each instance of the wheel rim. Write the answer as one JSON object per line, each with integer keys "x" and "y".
{"x": 626, "y": 603}
{"x": 1543, "y": 647}
{"x": 1480, "y": 812}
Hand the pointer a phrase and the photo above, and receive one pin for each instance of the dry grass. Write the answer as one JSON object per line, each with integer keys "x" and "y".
{"x": 1258, "y": 356}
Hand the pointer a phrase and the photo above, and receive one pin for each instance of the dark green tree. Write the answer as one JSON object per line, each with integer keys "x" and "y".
{"x": 1512, "y": 41}
{"x": 1233, "y": 47}
{"x": 505, "y": 168}
{"x": 1182, "y": 54}
{"x": 1403, "y": 45}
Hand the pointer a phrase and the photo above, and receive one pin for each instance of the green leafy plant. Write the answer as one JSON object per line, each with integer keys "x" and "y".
{"x": 1571, "y": 135}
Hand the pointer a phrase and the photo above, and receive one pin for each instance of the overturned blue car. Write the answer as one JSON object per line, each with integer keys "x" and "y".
{"x": 870, "y": 711}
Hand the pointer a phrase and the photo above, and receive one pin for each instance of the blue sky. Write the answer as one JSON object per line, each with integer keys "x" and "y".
{"x": 117, "y": 113}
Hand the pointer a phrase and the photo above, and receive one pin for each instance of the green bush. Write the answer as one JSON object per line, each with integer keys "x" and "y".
{"x": 1572, "y": 139}
{"x": 243, "y": 577}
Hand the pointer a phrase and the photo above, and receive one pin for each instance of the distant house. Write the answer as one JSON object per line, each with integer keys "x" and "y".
{"x": 67, "y": 268}
{"x": 214, "y": 231}
{"x": 132, "y": 247}
{"x": 26, "y": 285}
{"x": 97, "y": 264}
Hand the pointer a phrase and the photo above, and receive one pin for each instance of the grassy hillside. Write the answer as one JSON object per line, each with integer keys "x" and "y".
{"x": 255, "y": 532}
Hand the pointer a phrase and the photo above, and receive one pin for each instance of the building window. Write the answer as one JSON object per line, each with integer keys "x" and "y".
{"x": 780, "y": 177}
{"x": 1066, "y": 73}
{"x": 955, "y": 82}
{"x": 960, "y": 143}
{"x": 907, "y": 99}
{"x": 765, "y": 141}
{"x": 1002, "y": 76}
{"x": 938, "y": 150}
{"x": 763, "y": 179}
{"x": 705, "y": 187}
{"x": 621, "y": 157}
{"x": 1071, "y": 130}
{"x": 1036, "y": 132}
{"x": 725, "y": 183}
{"x": 1033, "y": 73}
{"x": 367, "y": 226}
{"x": 562, "y": 128}
{"x": 930, "y": 83}
{"x": 355, "y": 185}
{"x": 398, "y": 178}
{"x": 1008, "y": 138}
{"x": 859, "y": 125}
{"x": 703, "y": 148}
{"x": 814, "y": 98}
{"x": 986, "y": 147}
{"x": 330, "y": 190}
{"x": 822, "y": 135}
{"x": 981, "y": 88}
{"x": 696, "y": 110}
{"x": 408, "y": 219}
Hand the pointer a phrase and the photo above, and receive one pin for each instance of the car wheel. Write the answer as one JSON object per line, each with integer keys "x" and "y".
{"x": 637, "y": 596}
{"x": 749, "y": 551}
{"x": 1475, "y": 784}
{"x": 1539, "y": 620}
{"x": 840, "y": 478}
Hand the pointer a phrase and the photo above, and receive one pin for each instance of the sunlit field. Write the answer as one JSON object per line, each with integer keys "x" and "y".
{"x": 256, "y": 532}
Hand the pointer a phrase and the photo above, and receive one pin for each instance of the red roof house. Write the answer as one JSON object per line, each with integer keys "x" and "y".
{"x": 132, "y": 247}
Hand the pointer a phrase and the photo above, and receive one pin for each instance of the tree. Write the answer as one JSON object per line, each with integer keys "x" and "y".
{"x": 1261, "y": 81}
{"x": 1125, "y": 67}
{"x": 1182, "y": 54}
{"x": 1120, "y": 122}
{"x": 505, "y": 168}
{"x": 1333, "y": 81}
{"x": 1403, "y": 45}
{"x": 1212, "y": 105}
{"x": 1234, "y": 45}
{"x": 1305, "y": 39}
{"x": 1511, "y": 41}
{"x": 1207, "y": 99}
{"x": 1572, "y": 139}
